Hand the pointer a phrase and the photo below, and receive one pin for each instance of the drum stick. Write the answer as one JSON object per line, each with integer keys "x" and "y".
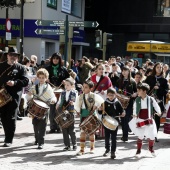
{"x": 66, "y": 106}
{"x": 52, "y": 85}
{"x": 60, "y": 85}
{"x": 127, "y": 92}
{"x": 114, "y": 116}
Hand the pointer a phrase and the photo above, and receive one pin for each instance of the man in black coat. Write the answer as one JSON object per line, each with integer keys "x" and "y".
{"x": 13, "y": 79}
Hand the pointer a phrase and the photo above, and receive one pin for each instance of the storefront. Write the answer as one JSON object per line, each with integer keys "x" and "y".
{"x": 155, "y": 50}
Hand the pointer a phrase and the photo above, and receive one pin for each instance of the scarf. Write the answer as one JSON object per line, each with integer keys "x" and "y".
{"x": 55, "y": 69}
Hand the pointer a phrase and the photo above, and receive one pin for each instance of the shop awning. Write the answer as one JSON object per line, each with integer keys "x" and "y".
{"x": 162, "y": 54}
{"x": 148, "y": 46}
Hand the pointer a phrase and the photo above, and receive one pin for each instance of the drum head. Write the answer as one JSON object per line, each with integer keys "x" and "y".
{"x": 111, "y": 120}
{"x": 40, "y": 103}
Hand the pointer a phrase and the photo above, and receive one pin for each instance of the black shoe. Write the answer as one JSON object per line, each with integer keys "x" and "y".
{"x": 113, "y": 156}
{"x": 58, "y": 131}
{"x": 52, "y": 131}
{"x": 156, "y": 140}
{"x": 40, "y": 146}
{"x": 35, "y": 143}
{"x": 67, "y": 148}
{"x": 106, "y": 153}
{"x": 74, "y": 148}
{"x": 19, "y": 118}
{"x": 7, "y": 144}
{"x": 124, "y": 139}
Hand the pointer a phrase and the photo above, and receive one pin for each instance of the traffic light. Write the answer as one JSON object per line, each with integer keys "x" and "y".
{"x": 107, "y": 38}
{"x": 8, "y": 3}
{"x": 98, "y": 35}
{"x": 2, "y": 3}
{"x": 12, "y": 3}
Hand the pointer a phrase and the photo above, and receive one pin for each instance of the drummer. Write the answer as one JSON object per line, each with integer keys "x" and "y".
{"x": 85, "y": 104}
{"x": 113, "y": 108}
{"x": 66, "y": 102}
{"x": 44, "y": 92}
{"x": 144, "y": 125}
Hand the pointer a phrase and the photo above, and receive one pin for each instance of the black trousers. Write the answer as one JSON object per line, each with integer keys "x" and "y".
{"x": 125, "y": 120}
{"x": 52, "y": 115}
{"x": 157, "y": 118}
{"x": 39, "y": 126}
{"x": 8, "y": 119}
{"x": 113, "y": 135}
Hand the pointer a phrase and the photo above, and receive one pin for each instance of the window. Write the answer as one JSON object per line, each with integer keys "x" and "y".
{"x": 73, "y": 7}
{"x": 163, "y": 8}
{"x": 52, "y": 4}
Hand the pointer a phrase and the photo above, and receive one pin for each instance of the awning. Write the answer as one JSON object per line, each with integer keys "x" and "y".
{"x": 162, "y": 54}
{"x": 148, "y": 46}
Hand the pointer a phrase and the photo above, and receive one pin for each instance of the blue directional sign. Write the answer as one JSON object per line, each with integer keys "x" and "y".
{"x": 49, "y": 32}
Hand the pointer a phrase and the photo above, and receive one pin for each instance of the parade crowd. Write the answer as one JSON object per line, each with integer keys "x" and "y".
{"x": 103, "y": 94}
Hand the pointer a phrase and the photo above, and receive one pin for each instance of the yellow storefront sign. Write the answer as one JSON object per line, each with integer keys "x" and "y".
{"x": 138, "y": 47}
{"x": 160, "y": 48}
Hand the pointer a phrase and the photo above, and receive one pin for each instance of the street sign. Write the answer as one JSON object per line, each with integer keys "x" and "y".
{"x": 8, "y": 25}
{"x": 8, "y": 36}
{"x": 49, "y": 23}
{"x": 49, "y": 32}
{"x": 91, "y": 24}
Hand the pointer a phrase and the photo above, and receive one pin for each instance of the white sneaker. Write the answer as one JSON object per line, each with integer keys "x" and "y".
{"x": 91, "y": 151}
{"x": 152, "y": 152}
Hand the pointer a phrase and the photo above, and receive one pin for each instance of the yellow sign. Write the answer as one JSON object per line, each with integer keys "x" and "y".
{"x": 138, "y": 47}
{"x": 160, "y": 48}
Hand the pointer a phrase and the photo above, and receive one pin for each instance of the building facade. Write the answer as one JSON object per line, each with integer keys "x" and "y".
{"x": 43, "y": 45}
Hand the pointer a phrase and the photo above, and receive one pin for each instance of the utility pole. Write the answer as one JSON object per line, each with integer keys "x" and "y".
{"x": 7, "y": 11}
{"x": 66, "y": 39}
{"x": 21, "y": 29}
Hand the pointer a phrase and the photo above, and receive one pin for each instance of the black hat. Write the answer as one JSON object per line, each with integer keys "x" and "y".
{"x": 11, "y": 50}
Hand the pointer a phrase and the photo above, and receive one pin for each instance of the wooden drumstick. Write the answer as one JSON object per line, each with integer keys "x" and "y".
{"x": 60, "y": 85}
{"x": 52, "y": 85}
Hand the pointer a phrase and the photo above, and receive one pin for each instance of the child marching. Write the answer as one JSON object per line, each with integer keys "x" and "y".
{"x": 143, "y": 123}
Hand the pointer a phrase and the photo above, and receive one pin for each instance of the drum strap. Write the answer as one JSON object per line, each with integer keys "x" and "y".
{"x": 37, "y": 90}
{"x": 101, "y": 78}
{"x": 85, "y": 101}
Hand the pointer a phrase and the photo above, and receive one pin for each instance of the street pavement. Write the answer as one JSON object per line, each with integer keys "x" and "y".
{"x": 23, "y": 155}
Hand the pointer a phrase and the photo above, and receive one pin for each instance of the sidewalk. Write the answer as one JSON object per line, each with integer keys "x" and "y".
{"x": 23, "y": 155}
